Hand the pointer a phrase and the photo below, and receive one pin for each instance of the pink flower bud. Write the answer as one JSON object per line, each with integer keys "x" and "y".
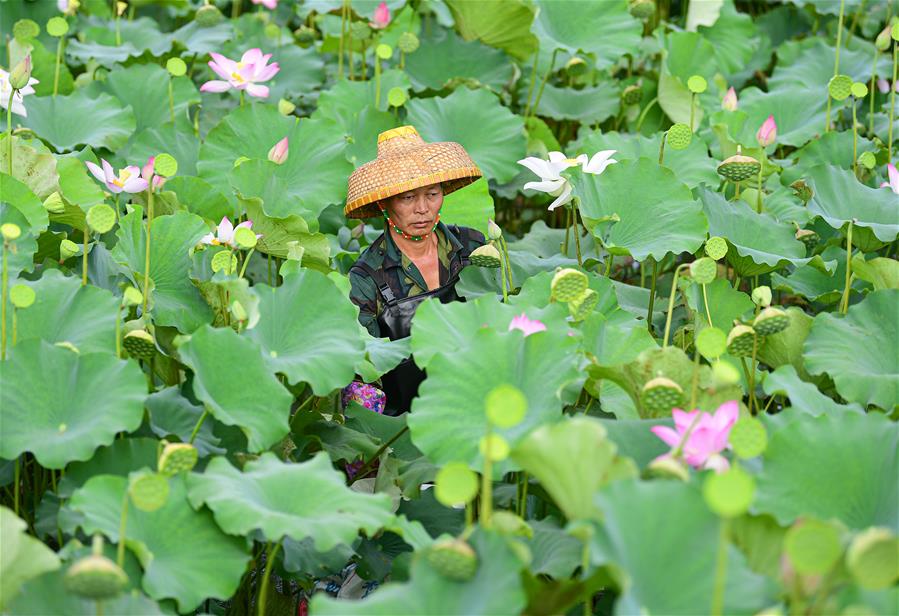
{"x": 883, "y": 85}
{"x": 146, "y": 171}
{"x": 730, "y": 100}
{"x": 20, "y": 74}
{"x": 767, "y": 133}
{"x": 382, "y": 17}
{"x": 279, "y": 151}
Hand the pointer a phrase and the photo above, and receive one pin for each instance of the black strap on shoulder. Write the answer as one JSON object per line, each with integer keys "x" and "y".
{"x": 378, "y": 277}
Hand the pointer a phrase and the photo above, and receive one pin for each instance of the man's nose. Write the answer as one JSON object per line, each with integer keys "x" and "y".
{"x": 421, "y": 204}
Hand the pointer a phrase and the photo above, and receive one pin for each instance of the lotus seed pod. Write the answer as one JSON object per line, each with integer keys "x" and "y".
{"x": 53, "y": 203}
{"x": 493, "y": 231}
{"x": 873, "y": 558}
{"x": 57, "y": 26}
{"x": 761, "y": 296}
{"x": 359, "y": 30}
{"x": 176, "y": 66}
{"x": 582, "y": 306}
{"x": 808, "y": 237}
{"x": 67, "y": 249}
{"x": 272, "y": 31}
{"x": 697, "y": 84}
{"x": 397, "y": 97}
{"x": 668, "y": 467}
{"x": 139, "y": 344}
{"x": 486, "y": 256}
{"x": 642, "y": 9}
{"x": 632, "y": 95}
{"x": 208, "y": 15}
{"x": 660, "y": 395}
{"x": 453, "y": 558}
{"x": 148, "y": 491}
{"x": 384, "y": 51}
{"x": 245, "y": 238}
{"x": 576, "y": 66}
{"x": 408, "y": 42}
{"x": 65, "y": 344}
{"x": 679, "y": 136}
{"x": 840, "y": 87}
{"x": 737, "y": 168}
{"x": 771, "y": 321}
{"x": 165, "y": 165}
{"x": 224, "y": 260}
{"x": 729, "y": 493}
{"x": 859, "y": 90}
{"x": 568, "y": 284}
{"x": 704, "y": 270}
{"x": 741, "y": 341}
{"x": 177, "y": 458}
{"x": 812, "y": 546}
{"x": 882, "y": 42}
{"x": 25, "y": 29}
{"x": 285, "y": 107}
{"x": 802, "y": 190}
{"x": 496, "y": 446}
{"x": 101, "y": 218}
{"x": 748, "y": 438}
{"x": 867, "y": 160}
{"x": 131, "y": 297}
{"x": 10, "y": 231}
{"x": 95, "y": 577}
{"x": 716, "y": 247}
{"x": 21, "y": 296}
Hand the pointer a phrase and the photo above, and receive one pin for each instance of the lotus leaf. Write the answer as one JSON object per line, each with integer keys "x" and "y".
{"x": 24, "y": 557}
{"x": 110, "y": 126}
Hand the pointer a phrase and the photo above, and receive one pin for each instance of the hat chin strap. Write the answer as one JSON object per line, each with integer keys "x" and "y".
{"x": 414, "y": 238}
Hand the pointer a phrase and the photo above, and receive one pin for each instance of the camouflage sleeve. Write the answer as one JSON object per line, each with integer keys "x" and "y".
{"x": 471, "y": 238}
{"x": 364, "y": 294}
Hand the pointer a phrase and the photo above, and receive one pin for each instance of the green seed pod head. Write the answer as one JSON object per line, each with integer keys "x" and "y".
{"x": 668, "y": 467}
{"x": 455, "y": 484}
{"x": 808, "y": 237}
{"x": 54, "y": 204}
{"x": 761, "y": 296}
{"x": 148, "y": 491}
{"x": 632, "y": 95}
{"x": 21, "y": 296}
{"x": 873, "y": 558}
{"x": 812, "y": 546}
{"x": 576, "y": 66}
{"x": 486, "y": 256}
{"x": 245, "y": 238}
{"x": 131, "y": 296}
{"x": 740, "y": 341}
{"x": 95, "y": 577}
{"x": 101, "y": 218}
{"x": 57, "y": 26}
{"x": 10, "y": 231}
{"x": 25, "y": 29}
{"x": 453, "y": 559}
{"x": 176, "y": 67}
{"x": 840, "y": 87}
{"x": 716, "y": 247}
{"x": 679, "y": 136}
{"x": 748, "y": 438}
{"x": 139, "y": 344}
{"x": 704, "y": 270}
{"x": 67, "y": 249}
{"x": 359, "y": 30}
{"x": 397, "y": 97}
{"x": 568, "y": 284}
{"x": 285, "y": 107}
{"x": 725, "y": 373}
{"x": 882, "y": 42}
{"x": 177, "y": 458}
{"x": 408, "y": 42}
{"x": 711, "y": 342}
{"x": 165, "y": 165}
{"x": 582, "y": 306}
{"x": 224, "y": 261}
{"x": 771, "y": 321}
{"x": 642, "y": 9}
{"x": 660, "y": 395}
{"x": 208, "y": 15}
{"x": 697, "y": 84}
{"x": 859, "y": 90}
{"x": 737, "y": 168}
{"x": 384, "y": 51}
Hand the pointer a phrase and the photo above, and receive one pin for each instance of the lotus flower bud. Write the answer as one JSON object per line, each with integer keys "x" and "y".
{"x": 67, "y": 249}
{"x": 493, "y": 230}
{"x": 53, "y": 203}
{"x": 762, "y": 296}
{"x": 882, "y": 42}
{"x": 20, "y": 74}
{"x": 278, "y": 153}
{"x": 730, "y": 100}
{"x": 381, "y": 17}
{"x": 146, "y": 171}
{"x": 454, "y": 559}
{"x": 767, "y": 133}
{"x": 285, "y": 107}
{"x": 208, "y": 15}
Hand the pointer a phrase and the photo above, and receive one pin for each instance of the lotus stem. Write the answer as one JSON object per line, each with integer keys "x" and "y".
{"x": 679, "y": 450}
{"x": 171, "y": 101}
{"x": 662, "y": 148}
{"x": 671, "y": 303}
{"x": 577, "y": 235}
{"x": 609, "y": 259}
{"x": 118, "y": 332}
{"x": 196, "y": 430}
{"x": 721, "y": 567}
{"x": 694, "y": 386}
{"x": 858, "y": 11}
{"x": 12, "y": 93}
{"x": 486, "y": 483}
{"x": 377, "y": 79}
{"x": 502, "y": 275}
{"x": 567, "y": 231}
{"x": 270, "y": 554}
{"x": 505, "y": 252}
{"x": 123, "y": 524}
{"x": 758, "y": 196}
{"x": 4, "y": 291}
{"x": 705, "y": 300}
{"x": 549, "y": 71}
{"x": 692, "y": 110}
{"x": 872, "y": 91}
{"x": 365, "y": 467}
{"x": 269, "y": 259}
{"x": 844, "y": 302}
{"x": 343, "y": 19}
{"x": 644, "y": 112}
{"x": 855, "y": 138}
{"x": 836, "y": 62}
{"x": 892, "y": 100}
{"x": 15, "y": 488}
{"x": 527, "y": 107}
{"x": 147, "y": 252}
{"x": 235, "y": 9}
{"x": 585, "y": 564}
{"x": 469, "y": 515}
{"x": 241, "y": 98}
{"x": 14, "y": 322}
{"x": 753, "y": 403}
{"x": 87, "y": 236}
{"x": 245, "y": 262}
{"x": 652, "y": 292}
{"x": 59, "y": 46}
{"x": 523, "y": 478}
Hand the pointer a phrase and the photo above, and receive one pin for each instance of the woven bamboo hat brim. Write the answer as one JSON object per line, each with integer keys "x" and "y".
{"x": 405, "y": 161}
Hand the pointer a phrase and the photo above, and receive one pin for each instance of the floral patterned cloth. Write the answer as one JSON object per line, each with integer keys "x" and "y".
{"x": 364, "y": 394}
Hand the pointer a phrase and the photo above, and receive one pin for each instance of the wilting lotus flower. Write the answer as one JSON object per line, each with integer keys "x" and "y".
{"x": 767, "y": 133}
{"x": 526, "y": 325}
{"x": 278, "y": 153}
{"x": 893, "y": 184}
{"x": 18, "y": 106}
{"x": 707, "y": 439}
{"x": 146, "y": 172}
{"x": 730, "y": 100}
{"x": 244, "y": 75}
{"x": 549, "y": 171}
{"x": 381, "y": 18}
{"x": 269, "y": 4}
{"x": 128, "y": 180}
{"x": 223, "y": 235}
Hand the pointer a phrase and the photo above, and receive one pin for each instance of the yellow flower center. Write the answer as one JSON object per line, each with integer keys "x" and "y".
{"x": 571, "y": 161}
{"x": 237, "y": 77}
{"x": 124, "y": 174}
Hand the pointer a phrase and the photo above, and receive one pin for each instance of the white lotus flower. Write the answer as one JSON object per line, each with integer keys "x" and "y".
{"x": 551, "y": 180}
{"x": 223, "y": 235}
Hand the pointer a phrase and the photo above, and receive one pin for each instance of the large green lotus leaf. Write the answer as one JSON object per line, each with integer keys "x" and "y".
{"x": 689, "y": 54}
{"x": 757, "y": 242}
{"x": 676, "y": 100}
{"x": 809, "y": 63}
{"x": 185, "y": 555}
{"x": 665, "y": 539}
{"x": 308, "y": 331}
{"x": 656, "y": 213}
{"x": 831, "y": 148}
{"x": 76, "y": 185}
{"x": 445, "y": 57}
{"x": 103, "y": 122}
{"x": 470, "y": 206}
{"x": 634, "y": 438}
{"x": 605, "y": 29}
{"x": 803, "y": 396}
{"x": 816, "y": 284}
{"x": 725, "y": 303}
{"x": 448, "y": 417}
{"x": 24, "y": 557}
{"x": 20, "y": 206}
{"x": 572, "y": 459}
{"x": 555, "y": 553}
{"x": 232, "y": 378}
{"x": 361, "y": 133}
{"x": 785, "y": 348}
{"x": 170, "y": 413}
{"x": 47, "y": 595}
{"x": 277, "y": 233}
{"x": 65, "y": 311}
{"x": 137, "y": 36}
{"x": 734, "y": 40}
{"x": 282, "y": 499}
{"x": 177, "y": 140}
{"x": 840, "y": 465}
{"x": 34, "y": 166}
{"x": 858, "y": 350}
{"x": 201, "y": 40}
{"x": 838, "y": 198}
{"x": 120, "y": 458}
{"x": 495, "y": 589}
{"x": 492, "y": 135}
{"x": 588, "y": 105}
{"x": 504, "y": 25}
{"x": 798, "y": 111}
{"x": 145, "y": 88}
{"x": 248, "y": 131}
{"x": 881, "y": 272}
{"x": 61, "y": 405}
{"x": 692, "y": 166}
{"x": 176, "y": 301}
{"x": 343, "y": 101}
{"x": 313, "y": 176}
{"x": 200, "y": 197}
{"x": 615, "y": 339}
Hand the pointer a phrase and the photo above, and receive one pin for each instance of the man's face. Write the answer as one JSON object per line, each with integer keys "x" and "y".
{"x": 415, "y": 211}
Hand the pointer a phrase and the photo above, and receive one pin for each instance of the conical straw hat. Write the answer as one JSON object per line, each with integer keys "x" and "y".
{"x": 405, "y": 161}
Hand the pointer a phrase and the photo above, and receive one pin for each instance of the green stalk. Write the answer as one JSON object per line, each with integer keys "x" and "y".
{"x": 87, "y": 235}
{"x": 872, "y": 91}
{"x": 14, "y": 322}
{"x": 549, "y": 71}
{"x": 855, "y": 138}
{"x": 705, "y": 300}
{"x": 118, "y": 332}
{"x": 147, "y": 252}
{"x": 692, "y": 110}
{"x": 377, "y": 79}
{"x": 720, "y": 568}
{"x": 836, "y": 63}
{"x": 245, "y": 261}
{"x": 4, "y": 290}
{"x": 523, "y": 501}
{"x": 893, "y": 99}
{"x": 12, "y": 93}
{"x": 171, "y": 101}
{"x": 17, "y": 472}
{"x": 652, "y": 292}
{"x": 585, "y": 564}
{"x": 662, "y": 148}
{"x": 505, "y": 251}
{"x": 609, "y": 259}
{"x": 753, "y": 403}
{"x": 695, "y": 381}
{"x": 58, "y": 63}
{"x": 486, "y": 483}
{"x": 644, "y": 112}
{"x": 527, "y": 107}
{"x": 671, "y": 303}
{"x": 196, "y": 430}
{"x": 269, "y": 562}
{"x": 343, "y": 18}
{"x": 844, "y": 303}
{"x": 235, "y": 9}
{"x": 567, "y": 231}
{"x": 502, "y": 275}
{"x": 758, "y": 197}
{"x": 577, "y": 235}
{"x": 241, "y": 98}
{"x": 123, "y": 524}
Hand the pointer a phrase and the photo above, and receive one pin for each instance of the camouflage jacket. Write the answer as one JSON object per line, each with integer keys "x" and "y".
{"x": 402, "y": 275}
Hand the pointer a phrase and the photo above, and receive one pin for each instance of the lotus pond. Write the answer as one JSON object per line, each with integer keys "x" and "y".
{"x": 673, "y": 385}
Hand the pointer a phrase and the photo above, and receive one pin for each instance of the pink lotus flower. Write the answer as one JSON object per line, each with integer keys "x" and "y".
{"x": 730, "y": 100}
{"x": 146, "y": 172}
{"x": 526, "y": 325}
{"x": 223, "y": 235}
{"x": 381, "y": 18}
{"x": 767, "y": 133}
{"x": 278, "y": 153}
{"x": 708, "y": 438}
{"x": 128, "y": 180}
{"x": 244, "y": 75}
{"x": 269, "y": 4}
{"x": 893, "y": 184}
